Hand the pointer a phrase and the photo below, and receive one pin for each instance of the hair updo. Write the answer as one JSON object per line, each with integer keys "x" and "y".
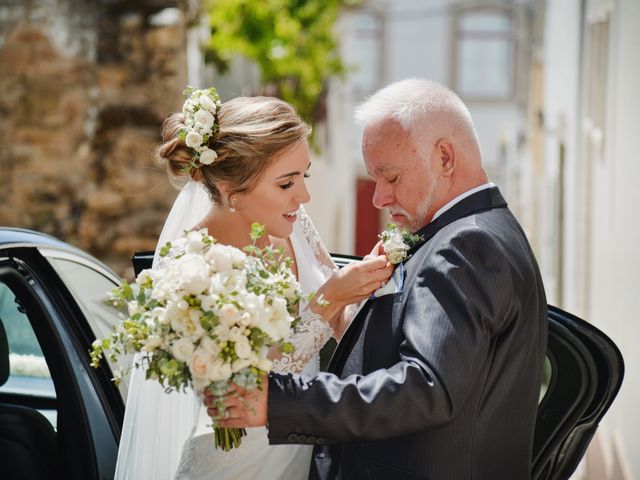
{"x": 252, "y": 132}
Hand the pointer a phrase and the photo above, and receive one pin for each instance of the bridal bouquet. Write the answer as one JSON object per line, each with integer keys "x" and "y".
{"x": 207, "y": 317}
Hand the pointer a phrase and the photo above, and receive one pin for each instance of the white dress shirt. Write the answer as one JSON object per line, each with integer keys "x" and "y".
{"x": 461, "y": 197}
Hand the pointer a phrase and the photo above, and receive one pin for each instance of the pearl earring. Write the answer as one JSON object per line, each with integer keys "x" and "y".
{"x": 232, "y": 205}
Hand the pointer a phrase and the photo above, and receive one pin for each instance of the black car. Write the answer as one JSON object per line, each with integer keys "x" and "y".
{"x": 60, "y": 418}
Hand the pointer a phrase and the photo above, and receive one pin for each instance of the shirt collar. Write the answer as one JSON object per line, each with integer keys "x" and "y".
{"x": 461, "y": 197}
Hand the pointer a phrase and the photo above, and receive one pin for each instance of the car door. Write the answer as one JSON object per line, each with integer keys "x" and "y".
{"x": 583, "y": 374}
{"x": 84, "y": 407}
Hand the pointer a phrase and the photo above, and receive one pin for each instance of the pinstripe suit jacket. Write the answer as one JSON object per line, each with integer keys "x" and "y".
{"x": 441, "y": 380}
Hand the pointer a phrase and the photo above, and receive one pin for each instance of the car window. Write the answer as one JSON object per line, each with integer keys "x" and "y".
{"x": 29, "y": 374}
{"x": 90, "y": 288}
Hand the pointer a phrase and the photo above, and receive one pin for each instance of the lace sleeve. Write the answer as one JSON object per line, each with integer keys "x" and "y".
{"x": 311, "y": 334}
{"x": 314, "y": 268}
{"x": 312, "y": 238}
{"x": 324, "y": 259}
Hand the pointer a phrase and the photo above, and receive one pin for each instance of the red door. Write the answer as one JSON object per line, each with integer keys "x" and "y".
{"x": 367, "y": 217}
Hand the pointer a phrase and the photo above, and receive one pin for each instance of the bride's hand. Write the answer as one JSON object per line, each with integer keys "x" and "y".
{"x": 351, "y": 284}
{"x": 377, "y": 250}
{"x": 242, "y": 408}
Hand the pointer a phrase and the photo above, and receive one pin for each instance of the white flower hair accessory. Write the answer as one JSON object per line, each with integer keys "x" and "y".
{"x": 200, "y": 110}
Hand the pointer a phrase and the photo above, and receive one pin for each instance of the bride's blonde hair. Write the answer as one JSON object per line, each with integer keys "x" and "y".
{"x": 252, "y": 132}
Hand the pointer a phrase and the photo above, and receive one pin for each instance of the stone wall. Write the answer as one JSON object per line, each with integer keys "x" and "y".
{"x": 84, "y": 86}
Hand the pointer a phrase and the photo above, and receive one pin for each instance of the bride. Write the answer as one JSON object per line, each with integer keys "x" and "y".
{"x": 244, "y": 161}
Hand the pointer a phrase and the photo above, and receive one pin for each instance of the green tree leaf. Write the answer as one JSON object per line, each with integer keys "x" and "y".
{"x": 291, "y": 41}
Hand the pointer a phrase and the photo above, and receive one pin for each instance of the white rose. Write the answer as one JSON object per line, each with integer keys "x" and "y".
{"x": 207, "y": 302}
{"x": 245, "y": 319}
{"x": 222, "y": 257}
{"x": 194, "y": 274}
{"x": 243, "y": 347}
{"x": 182, "y": 349}
{"x": 238, "y": 258}
{"x": 239, "y": 364}
{"x": 194, "y": 139}
{"x": 219, "y": 371}
{"x": 229, "y": 314}
{"x": 178, "y": 245}
{"x": 204, "y": 118}
{"x": 194, "y": 242}
{"x": 208, "y": 157}
{"x": 235, "y": 334}
{"x": 255, "y": 306}
{"x": 210, "y": 346}
{"x": 199, "y": 364}
{"x": 152, "y": 343}
{"x": 180, "y": 322}
{"x": 221, "y": 332}
{"x": 208, "y": 104}
{"x": 236, "y": 280}
{"x": 182, "y": 305}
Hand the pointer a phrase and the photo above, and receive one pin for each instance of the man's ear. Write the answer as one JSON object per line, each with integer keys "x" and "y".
{"x": 447, "y": 156}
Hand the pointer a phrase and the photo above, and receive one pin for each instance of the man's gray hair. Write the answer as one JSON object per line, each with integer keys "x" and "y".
{"x": 422, "y": 107}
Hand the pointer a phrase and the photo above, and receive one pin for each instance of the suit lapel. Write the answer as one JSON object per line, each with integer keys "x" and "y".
{"x": 486, "y": 199}
{"x": 348, "y": 338}
{"x": 480, "y": 201}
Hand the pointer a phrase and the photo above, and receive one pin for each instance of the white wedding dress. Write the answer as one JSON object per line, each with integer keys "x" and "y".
{"x": 167, "y": 436}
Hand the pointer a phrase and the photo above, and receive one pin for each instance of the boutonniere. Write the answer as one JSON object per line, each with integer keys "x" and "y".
{"x": 397, "y": 242}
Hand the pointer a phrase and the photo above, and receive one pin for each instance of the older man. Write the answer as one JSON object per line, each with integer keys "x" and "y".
{"x": 440, "y": 379}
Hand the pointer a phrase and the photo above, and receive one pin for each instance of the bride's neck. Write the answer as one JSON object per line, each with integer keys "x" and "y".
{"x": 229, "y": 228}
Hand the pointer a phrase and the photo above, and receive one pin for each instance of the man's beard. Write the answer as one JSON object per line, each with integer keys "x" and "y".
{"x": 417, "y": 221}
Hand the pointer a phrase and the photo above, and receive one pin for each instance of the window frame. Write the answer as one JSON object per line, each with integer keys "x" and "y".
{"x": 55, "y": 254}
{"x": 458, "y": 35}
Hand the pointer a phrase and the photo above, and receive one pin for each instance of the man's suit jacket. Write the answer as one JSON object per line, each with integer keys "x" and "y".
{"x": 441, "y": 380}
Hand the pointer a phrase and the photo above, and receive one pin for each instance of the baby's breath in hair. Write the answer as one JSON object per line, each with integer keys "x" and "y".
{"x": 200, "y": 125}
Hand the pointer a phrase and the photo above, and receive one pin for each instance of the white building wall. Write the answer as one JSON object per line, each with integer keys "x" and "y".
{"x": 615, "y": 286}
{"x": 560, "y": 116}
{"x": 416, "y": 40}
{"x": 601, "y": 255}
{"x": 335, "y": 169}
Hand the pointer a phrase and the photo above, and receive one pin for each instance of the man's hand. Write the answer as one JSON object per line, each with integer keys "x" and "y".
{"x": 243, "y": 408}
